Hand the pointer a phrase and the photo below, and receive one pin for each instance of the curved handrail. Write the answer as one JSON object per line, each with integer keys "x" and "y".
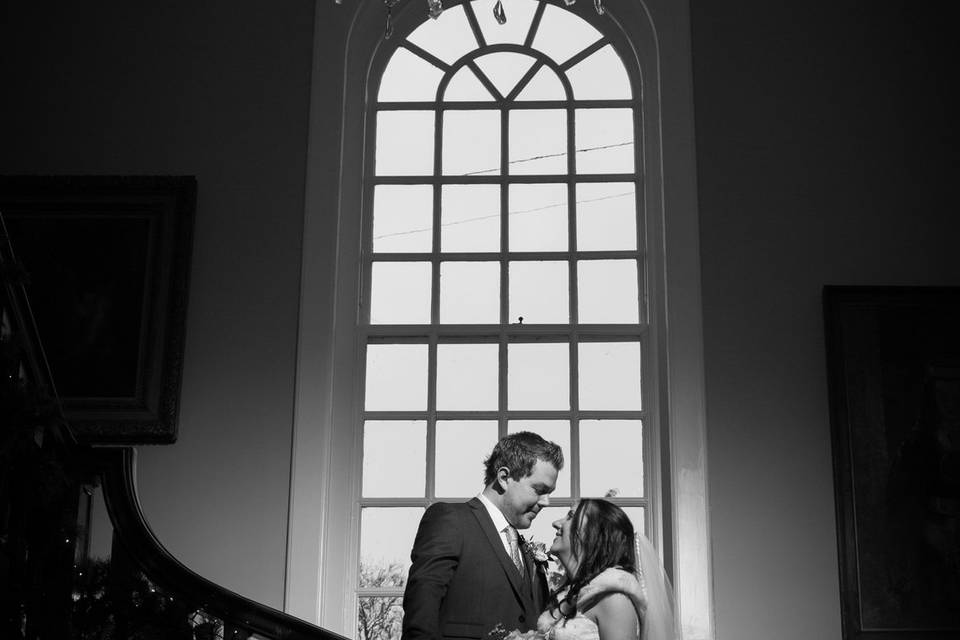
{"x": 117, "y": 466}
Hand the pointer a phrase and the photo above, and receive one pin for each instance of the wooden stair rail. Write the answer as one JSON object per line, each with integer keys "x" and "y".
{"x": 131, "y": 529}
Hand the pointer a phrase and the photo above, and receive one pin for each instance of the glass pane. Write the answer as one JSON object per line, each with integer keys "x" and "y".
{"x": 464, "y": 86}
{"x": 386, "y": 537}
{"x": 606, "y": 216}
{"x": 467, "y": 377}
{"x": 611, "y": 458}
{"x": 638, "y": 517}
{"x": 394, "y": 458}
{"x": 514, "y": 31}
{"x": 470, "y": 292}
{"x": 448, "y": 37}
{"x": 400, "y": 293}
{"x": 610, "y": 376}
{"x": 409, "y": 77}
{"x": 471, "y": 142}
{"x": 379, "y": 617}
{"x": 538, "y": 141}
{"x": 470, "y": 217}
{"x": 562, "y": 34}
{"x": 545, "y": 85}
{"x": 539, "y": 292}
{"x": 604, "y": 141}
{"x": 542, "y": 530}
{"x": 607, "y": 291}
{"x": 402, "y": 218}
{"x": 538, "y": 217}
{"x": 462, "y": 446}
{"x": 504, "y": 69}
{"x": 404, "y": 143}
{"x": 601, "y": 76}
{"x": 558, "y": 432}
{"x": 396, "y": 377}
{"x": 538, "y": 376}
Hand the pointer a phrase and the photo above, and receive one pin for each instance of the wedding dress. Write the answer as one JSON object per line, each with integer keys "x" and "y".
{"x": 649, "y": 591}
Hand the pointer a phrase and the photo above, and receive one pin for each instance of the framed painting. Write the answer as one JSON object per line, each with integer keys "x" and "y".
{"x": 107, "y": 264}
{"x": 894, "y": 372}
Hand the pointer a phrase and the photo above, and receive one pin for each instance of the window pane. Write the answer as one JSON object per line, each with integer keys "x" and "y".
{"x": 562, "y": 34}
{"x": 386, "y": 537}
{"x": 539, "y": 292}
{"x": 610, "y": 376}
{"x": 514, "y": 31}
{"x": 601, "y": 76}
{"x": 404, "y": 143}
{"x": 379, "y": 617}
{"x": 467, "y": 377}
{"x": 538, "y": 376}
{"x": 396, "y": 377}
{"x": 469, "y": 292}
{"x": 538, "y": 141}
{"x": 607, "y": 291}
{"x": 556, "y": 431}
{"x": 611, "y": 458}
{"x": 394, "y": 458}
{"x": 638, "y": 517}
{"x": 606, "y": 216}
{"x": 459, "y": 441}
{"x": 408, "y": 77}
{"x": 604, "y": 140}
{"x": 448, "y": 37}
{"x": 541, "y": 529}
{"x": 545, "y": 85}
{"x": 464, "y": 86}
{"x": 470, "y": 217}
{"x": 538, "y": 217}
{"x": 400, "y": 293}
{"x": 504, "y": 69}
{"x": 471, "y": 143}
{"x": 402, "y": 218}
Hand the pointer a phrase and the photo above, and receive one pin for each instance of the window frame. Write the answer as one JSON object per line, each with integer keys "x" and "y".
{"x": 325, "y": 470}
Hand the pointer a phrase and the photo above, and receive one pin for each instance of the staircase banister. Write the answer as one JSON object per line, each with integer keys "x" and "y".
{"x": 118, "y": 468}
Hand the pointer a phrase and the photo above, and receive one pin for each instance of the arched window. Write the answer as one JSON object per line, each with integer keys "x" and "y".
{"x": 500, "y": 267}
{"x": 504, "y": 273}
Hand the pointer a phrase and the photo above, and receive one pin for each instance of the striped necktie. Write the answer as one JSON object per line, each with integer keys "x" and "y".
{"x": 514, "y": 548}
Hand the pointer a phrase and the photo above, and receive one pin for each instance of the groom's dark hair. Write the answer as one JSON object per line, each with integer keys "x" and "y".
{"x": 519, "y": 452}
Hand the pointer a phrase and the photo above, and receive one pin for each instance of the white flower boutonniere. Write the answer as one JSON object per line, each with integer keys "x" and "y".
{"x": 537, "y": 550}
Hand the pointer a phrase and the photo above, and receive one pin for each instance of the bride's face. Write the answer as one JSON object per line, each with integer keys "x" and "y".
{"x": 562, "y": 546}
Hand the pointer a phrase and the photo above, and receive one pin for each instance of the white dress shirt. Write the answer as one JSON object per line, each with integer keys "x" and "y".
{"x": 499, "y": 523}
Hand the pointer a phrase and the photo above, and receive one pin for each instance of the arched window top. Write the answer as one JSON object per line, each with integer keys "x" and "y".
{"x": 542, "y": 52}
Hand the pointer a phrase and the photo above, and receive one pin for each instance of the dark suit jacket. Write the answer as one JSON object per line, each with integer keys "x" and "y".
{"x": 462, "y": 582}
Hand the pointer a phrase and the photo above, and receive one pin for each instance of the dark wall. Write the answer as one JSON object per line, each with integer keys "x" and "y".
{"x": 219, "y": 90}
{"x": 826, "y": 151}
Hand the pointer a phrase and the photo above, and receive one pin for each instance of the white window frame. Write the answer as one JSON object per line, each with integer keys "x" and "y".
{"x": 322, "y": 542}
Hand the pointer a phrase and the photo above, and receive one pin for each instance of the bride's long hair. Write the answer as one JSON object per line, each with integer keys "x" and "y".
{"x": 601, "y": 536}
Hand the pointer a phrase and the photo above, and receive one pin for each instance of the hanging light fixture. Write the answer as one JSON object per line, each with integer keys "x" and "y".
{"x": 435, "y": 9}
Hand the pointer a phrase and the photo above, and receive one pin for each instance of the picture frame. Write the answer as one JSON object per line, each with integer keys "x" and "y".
{"x": 893, "y": 357}
{"x": 107, "y": 262}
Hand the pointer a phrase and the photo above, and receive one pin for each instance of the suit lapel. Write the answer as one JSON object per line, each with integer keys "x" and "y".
{"x": 493, "y": 537}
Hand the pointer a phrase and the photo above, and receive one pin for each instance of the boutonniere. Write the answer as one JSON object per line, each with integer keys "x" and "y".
{"x": 536, "y": 550}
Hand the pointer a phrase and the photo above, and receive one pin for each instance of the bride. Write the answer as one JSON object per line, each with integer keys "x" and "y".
{"x": 615, "y": 588}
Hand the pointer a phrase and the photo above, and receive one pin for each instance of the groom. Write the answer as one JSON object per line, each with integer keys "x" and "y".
{"x": 470, "y": 572}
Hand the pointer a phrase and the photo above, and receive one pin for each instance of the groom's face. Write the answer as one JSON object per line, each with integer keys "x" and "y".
{"x": 523, "y": 498}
